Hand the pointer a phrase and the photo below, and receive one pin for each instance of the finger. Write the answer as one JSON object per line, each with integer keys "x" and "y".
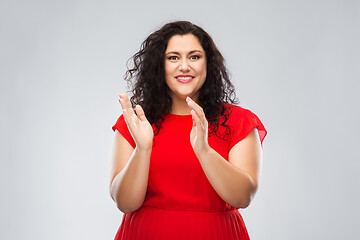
{"x": 199, "y": 111}
{"x": 127, "y": 118}
{"x": 122, "y": 102}
{"x": 196, "y": 121}
{"x": 194, "y": 106}
{"x": 140, "y": 112}
{"x": 193, "y": 115}
{"x": 126, "y": 105}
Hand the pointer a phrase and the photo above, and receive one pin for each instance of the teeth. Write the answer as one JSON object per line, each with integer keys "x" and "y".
{"x": 184, "y": 78}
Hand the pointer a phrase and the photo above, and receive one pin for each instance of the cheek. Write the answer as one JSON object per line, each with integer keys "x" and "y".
{"x": 202, "y": 66}
{"x": 169, "y": 69}
{"x": 166, "y": 68}
{"x": 203, "y": 70}
{"x": 168, "y": 74}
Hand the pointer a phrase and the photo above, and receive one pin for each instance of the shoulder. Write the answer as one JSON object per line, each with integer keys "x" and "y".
{"x": 122, "y": 128}
{"x": 120, "y": 123}
{"x": 242, "y": 121}
{"x": 236, "y": 113}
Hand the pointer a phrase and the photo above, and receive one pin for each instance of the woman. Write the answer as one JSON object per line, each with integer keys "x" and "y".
{"x": 187, "y": 158}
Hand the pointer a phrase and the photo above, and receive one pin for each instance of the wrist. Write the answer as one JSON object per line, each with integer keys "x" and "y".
{"x": 143, "y": 150}
{"x": 204, "y": 152}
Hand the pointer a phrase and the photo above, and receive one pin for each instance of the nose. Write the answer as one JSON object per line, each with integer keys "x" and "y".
{"x": 184, "y": 66}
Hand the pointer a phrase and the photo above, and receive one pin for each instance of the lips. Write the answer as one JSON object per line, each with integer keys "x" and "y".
{"x": 184, "y": 78}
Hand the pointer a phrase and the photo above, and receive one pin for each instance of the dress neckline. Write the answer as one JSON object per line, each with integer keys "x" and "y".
{"x": 171, "y": 115}
{"x": 180, "y": 115}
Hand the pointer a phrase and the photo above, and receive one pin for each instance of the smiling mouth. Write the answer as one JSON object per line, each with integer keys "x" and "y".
{"x": 184, "y": 79}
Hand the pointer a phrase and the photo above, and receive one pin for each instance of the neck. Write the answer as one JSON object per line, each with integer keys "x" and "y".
{"x": 180, "y": 106}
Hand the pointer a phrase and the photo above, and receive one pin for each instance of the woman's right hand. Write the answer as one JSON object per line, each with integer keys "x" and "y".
{"x": 138, "y": 125}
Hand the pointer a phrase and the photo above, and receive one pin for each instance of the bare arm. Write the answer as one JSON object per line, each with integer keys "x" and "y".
{"x": 130, "y": 167}
{"x": 235, "y": 180}
{"x": 129, "y": 175}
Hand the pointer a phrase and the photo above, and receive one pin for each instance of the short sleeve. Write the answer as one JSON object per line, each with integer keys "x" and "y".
{"x": 244, "y": 121}
{"x": 121, "y": 126}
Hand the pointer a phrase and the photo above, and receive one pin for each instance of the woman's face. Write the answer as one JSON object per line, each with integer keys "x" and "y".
{"x": 185, "y": 66}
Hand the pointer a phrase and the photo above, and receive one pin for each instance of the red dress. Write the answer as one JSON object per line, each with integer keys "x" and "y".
{"x": 180, "y": 202}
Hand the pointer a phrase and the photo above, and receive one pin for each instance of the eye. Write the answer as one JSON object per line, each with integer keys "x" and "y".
{"x": 172, "y": 58}
{"x": 195, "y": 57}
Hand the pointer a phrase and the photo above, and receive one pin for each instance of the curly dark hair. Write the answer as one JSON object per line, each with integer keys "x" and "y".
{"x": 147, "y": 78}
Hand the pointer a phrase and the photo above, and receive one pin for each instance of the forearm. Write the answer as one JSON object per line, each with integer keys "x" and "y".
{"x": 233, "y": 185}
{"x": 128, "y": 188}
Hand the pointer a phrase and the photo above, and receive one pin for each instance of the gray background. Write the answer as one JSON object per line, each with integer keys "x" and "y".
{"x": 294, "y": 63}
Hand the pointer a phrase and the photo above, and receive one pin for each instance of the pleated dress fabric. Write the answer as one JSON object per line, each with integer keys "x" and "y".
{"x": 180, "y": 202}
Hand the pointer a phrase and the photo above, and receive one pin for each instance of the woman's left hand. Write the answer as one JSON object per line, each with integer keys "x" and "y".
{"x": 199, "y": 131}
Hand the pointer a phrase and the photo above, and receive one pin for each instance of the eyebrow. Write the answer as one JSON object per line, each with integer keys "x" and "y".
{"x": 191, "y": 52}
